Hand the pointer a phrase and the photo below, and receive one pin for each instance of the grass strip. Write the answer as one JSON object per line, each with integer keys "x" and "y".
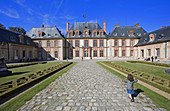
{"x": 150, "y": 63}
{"x": 157, "y": 99}
{"x": 14, "y": 104}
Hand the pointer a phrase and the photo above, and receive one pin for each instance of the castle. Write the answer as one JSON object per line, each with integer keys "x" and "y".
{"x": 86, "y": 40}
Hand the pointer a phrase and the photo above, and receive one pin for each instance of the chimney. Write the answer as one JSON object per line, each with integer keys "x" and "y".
{"x": 42, "y": 25}
{"x": 113, "y": 28}
{"x": 54, "y": 25}
{"x": 117, "y": 24}
{"x": 67, "y": 26}
{"x": 136, "y": 25}
{"x": 104, "y": 26}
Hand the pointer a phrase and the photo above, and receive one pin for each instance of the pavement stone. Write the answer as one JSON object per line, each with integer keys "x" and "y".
{"x": 88, "y": 87}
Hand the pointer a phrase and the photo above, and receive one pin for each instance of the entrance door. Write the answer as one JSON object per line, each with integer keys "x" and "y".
{"x": 23, "y": 54}
{"x": 86, "y": 54}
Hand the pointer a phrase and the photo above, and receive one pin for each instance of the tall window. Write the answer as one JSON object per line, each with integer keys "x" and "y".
{"x": 116, "y": 53}
{"x": 16, "y": 54}
{"x": 123, "y": 42}
{"x": 77, "y": 34}
{"x": 70, "y": 43}
{"x": 48, "y": 43}
{"x": 55, "y": 43}
{"x": 77, "y": 43}
{"x": 149, "y": 52}
{"x": 85, "y": 33}
{"x": 56, "y": 54}
{"x": 77, "y": 53}
{"x": 101, "y": 34}
{"x": 95, "y": 43}
{"x": 101, "y": 43}
{"x": 131, "y": 43}
{"x": 116, "y": 43}
{"x": 48, "y": 54}
{"x": 142, "y": 51}
{"x": 52, "y": 44}
{"x": 94, "y": 34}
{"x": 95, "y": 53}
{"x": 39, "y": 44}
{"x": 86, "y": 43}
{"x": 101, "y": 53}
{"x": 123, "y": 53}
{"x": 131, "y": 53}
{"x": 158, "y": 52}
{"x": 30, "y": 54}
{"x": 70, "y": 34}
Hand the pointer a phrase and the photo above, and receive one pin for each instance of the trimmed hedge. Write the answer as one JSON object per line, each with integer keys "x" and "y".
{"x": 160, "y": 83}
{"x": 151, "y": 63}
{"x": 10, "y": 87}
{"x": 24, "y": 64}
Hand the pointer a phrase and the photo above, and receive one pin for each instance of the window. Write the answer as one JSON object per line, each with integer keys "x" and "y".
{"x": 39, "y": 44}
{"x": 122, "y": 34}
{"x": 123, "y": 53}
{"x": 33, "y": 35}
{"x": 95, "y": 53}
{"x": 48, "y": 55}
{"x": 131, "y": 43}
{"x": 70, "y": 43}
{"x": 16, "y": 54}
{"x": 70, "y": 34}
{"x": 55, "y": 34}
{"x": 49, "y": 34}
{"x": 86, "y": 43}
{"x": 85, "y": 33}
{"x": 115, "y": 34}
{"x": 12, "y": 38}
{"x": 94, "y": 34}
{"x": 30, "y": 54}
{"x": 28, "y": 41}
{"x": 116, "y": 52}
{"x": 48, "y": 43}
{"x": 158, "y": 52}
{"x": 21, "y": 39}
{"x": 142, "y": 51}
{"x": 131, "y": 53}
{"x": 77, "y": 34}
{"x": 101, "y": 33}
{"x": 123, "y": 42}
{"x": 101, "y": 53}
{"x": 94, "y": 43}
{"x": 52, "y": 44}
{"x": 151, "y": 36}
{"x": 71, "y": 53}
{"x": 56, "y": 54}
{"x": 149, "y": 52}
{"x": 77, "y": 43}
{"x": 55, "y": 43}
{"x": 77, "y": 53}
{"x": 116, "y": 43}
{"x": 101, "y": 43}
{"x": 86, "y": 54}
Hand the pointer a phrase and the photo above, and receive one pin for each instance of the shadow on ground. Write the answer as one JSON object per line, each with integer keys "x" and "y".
{"x": 136, "y": 92}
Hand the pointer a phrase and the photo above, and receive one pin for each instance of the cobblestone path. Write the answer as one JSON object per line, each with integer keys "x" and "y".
{"x": 87, "y": 87}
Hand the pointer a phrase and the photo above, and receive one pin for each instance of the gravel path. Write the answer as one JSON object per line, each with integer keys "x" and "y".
{"x": 87, "y": 87}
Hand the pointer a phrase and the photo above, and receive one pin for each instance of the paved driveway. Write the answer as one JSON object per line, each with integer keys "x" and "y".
{"x": 87, "y": 86}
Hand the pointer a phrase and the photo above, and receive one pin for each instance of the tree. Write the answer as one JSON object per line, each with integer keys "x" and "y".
{"x": 2, "y": 26}
{"x": 17, "y": 29}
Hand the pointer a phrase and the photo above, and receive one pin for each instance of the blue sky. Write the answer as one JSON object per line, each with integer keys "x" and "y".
{"x": 150, "y": 14}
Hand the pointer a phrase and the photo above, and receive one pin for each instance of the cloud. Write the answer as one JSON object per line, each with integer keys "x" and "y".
{"x": 20, "y": 2}
{"x": 60, "y": 4}
{"x": 10, "y": 13}
{"x": 30, "y": 11}
{"x": 46, "y": 20}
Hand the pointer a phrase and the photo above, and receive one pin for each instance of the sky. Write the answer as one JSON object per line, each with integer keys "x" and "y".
{"x": 150, "y": 14}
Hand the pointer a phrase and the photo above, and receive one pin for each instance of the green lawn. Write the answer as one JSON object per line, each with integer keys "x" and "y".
{"x": 22, "y": 71}
{"x": 157, "y": 71}
{"x": 157, "y": 99}
{"x": 17, "y": 102}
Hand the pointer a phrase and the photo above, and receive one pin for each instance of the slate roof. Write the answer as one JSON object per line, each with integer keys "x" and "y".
{"x": 13, "y": 37}
{"x": 83, "y": 25}
{"x": 160, "y": 35}
{"x": 123, "y": 31}
{"x": 50, "y": 32}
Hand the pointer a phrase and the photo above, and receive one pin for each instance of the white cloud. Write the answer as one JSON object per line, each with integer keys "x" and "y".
{"x": 30, "y": 11}
{"x": 20, "y": 2}
{"x": 10, "y": 13}
{"x": 60, "y": 4}
{"x": 46, "y": 20}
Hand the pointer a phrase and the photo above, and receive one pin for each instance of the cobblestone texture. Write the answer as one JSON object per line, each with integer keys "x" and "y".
{"x": 87, "y": 87}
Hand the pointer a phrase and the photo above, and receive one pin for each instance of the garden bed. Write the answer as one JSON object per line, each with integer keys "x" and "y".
{"x": 11, "y": 87}
{"x": 150, "y": 63}
{"x": 161, "y": 83}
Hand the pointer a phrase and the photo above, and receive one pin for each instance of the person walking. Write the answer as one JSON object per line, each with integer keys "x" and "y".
{"x": 152, "y": 58}
{"x": 130, "y": 81}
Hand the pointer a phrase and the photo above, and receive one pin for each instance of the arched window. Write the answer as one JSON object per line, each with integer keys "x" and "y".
{"x": 151, "y": 36}
{"x": 94, "y": 34}
{"x": 70, "y": 34}
{"x": 85, "y": 33}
